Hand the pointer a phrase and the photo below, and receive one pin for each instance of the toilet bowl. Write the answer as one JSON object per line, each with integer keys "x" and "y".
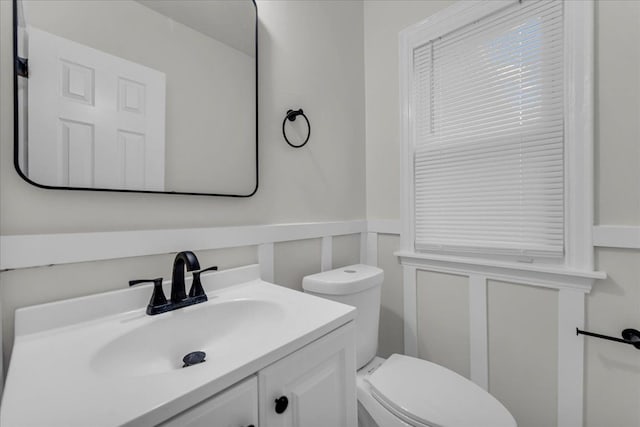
{"x": 402, "y": 391}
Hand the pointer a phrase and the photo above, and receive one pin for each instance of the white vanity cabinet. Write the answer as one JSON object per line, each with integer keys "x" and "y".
{"x": 317, "y": 383}
{"x": 235, "y": 407}
{"x": 276, "y": 342}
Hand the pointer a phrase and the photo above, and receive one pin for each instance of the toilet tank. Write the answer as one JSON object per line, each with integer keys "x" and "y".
{"x": 359, "y": 286}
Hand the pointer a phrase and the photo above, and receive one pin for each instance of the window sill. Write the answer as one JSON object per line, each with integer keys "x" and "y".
{"x": 556, "y": 277}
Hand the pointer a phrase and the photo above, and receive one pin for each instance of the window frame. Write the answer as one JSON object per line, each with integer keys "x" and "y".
{"x": 578, "y": 135}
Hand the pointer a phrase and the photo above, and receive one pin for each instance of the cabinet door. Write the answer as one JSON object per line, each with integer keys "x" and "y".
{"x": 234, "y": 407}
{"x": 317, "y": 381}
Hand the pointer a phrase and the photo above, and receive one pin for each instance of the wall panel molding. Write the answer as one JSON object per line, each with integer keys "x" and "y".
{"x": 616, "y": 236}
{"x": 266, "y": 261}
{"x": 410, "y": 310}
{"x": 24, "y": 251}
{"x": 326, "y": 254}
{"x": 521, "y": 273}
{"x": 571, "y": 314}
{"x": 371, "y": 257}
{"x": 478, "y": 331}
{"x": 364, "y": 242}
{"x": 384, "y": 226}
{"x": 612, "y": 236}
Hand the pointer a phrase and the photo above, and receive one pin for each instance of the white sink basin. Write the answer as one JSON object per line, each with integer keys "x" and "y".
{"x": 159, "y": 344}
{"x": 102, "y": 361}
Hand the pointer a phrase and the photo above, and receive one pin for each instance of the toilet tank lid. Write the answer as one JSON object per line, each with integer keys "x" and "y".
{"x": 344, "y": 281}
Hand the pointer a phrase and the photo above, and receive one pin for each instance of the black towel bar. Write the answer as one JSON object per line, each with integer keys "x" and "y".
{"x": 629, "y": 336}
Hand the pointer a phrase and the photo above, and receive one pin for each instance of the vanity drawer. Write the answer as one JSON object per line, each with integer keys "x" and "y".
{"x": 234, "y": 407}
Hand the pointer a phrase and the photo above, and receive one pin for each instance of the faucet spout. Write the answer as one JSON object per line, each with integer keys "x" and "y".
{"x": 188, "y": 259}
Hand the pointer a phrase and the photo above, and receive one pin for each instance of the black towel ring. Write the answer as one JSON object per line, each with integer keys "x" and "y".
{"x": 291, "y": 116}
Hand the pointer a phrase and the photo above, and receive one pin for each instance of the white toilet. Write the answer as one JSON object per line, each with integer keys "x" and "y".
{"x": 402, "y": 391}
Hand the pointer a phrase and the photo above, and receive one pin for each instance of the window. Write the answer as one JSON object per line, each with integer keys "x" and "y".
{"x": 491, "y": 137}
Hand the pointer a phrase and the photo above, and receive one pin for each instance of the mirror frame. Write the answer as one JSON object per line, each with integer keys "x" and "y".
{"x": 16, "y": 135}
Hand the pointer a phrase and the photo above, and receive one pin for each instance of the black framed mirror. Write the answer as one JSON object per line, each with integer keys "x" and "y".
{"x": 143, "y": 96}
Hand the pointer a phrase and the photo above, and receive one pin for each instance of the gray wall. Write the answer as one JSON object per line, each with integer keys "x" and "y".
{"x": 383, "y": 20}
{"x": 301, "y": 65}
{"x": 612, "y": 372}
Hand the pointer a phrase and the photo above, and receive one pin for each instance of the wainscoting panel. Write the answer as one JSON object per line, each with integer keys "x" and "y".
{"x": 390, "y": 337}
{"x": 346, "y": 250}
{"x": 295, "y": 259}
{"x": 443, "y": 320}
{"x": 523, "y": 351}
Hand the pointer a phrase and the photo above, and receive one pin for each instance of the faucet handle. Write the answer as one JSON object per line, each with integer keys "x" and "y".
{"x": 157, "y": 298}
{"x": 214, "y": 268}
{"x": 196, "y": 290}
{"x": 137, "y": 282}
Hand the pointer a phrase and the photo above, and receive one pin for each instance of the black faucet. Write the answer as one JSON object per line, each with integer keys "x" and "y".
{"x": 179, "y": 298}
{"x": 188, "y": 258}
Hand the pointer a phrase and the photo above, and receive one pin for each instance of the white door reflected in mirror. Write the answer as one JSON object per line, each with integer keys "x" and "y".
{"x": 138, "y": 95}
{"x": 95, "y": 120}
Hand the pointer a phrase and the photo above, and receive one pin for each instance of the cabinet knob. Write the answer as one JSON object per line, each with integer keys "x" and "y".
{"x": 281, "y": 404}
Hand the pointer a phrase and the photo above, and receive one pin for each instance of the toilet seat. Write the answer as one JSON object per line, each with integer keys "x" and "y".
{"x": 423, "y": 394}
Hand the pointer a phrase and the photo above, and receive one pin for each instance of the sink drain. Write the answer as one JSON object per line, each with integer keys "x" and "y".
{"x": 193, "y": 358}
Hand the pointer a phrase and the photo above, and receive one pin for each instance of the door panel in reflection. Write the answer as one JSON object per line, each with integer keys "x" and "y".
{"x": 95, "y": 120}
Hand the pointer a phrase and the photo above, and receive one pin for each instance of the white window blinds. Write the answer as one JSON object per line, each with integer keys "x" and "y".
{"x": 488, "y": 135}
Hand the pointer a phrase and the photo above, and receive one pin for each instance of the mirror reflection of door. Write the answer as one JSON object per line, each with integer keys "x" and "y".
{"x": 139, "y": 95}
{"x": 95, "y": 120}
